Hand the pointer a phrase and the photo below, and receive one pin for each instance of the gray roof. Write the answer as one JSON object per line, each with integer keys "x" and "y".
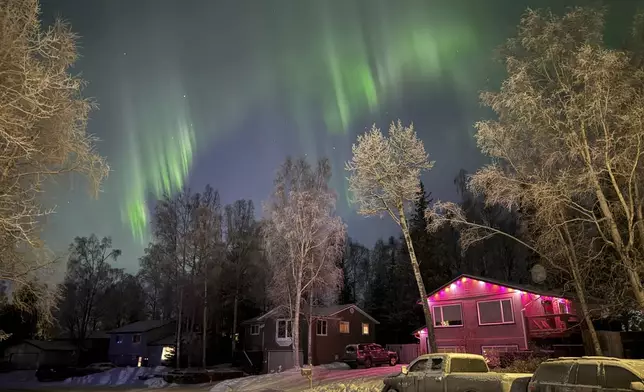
{"x": 52, "y": 345}
{"x": 319, "y": 311}
{"x": 141, "y": 326}
{"x": 169, "y": 340}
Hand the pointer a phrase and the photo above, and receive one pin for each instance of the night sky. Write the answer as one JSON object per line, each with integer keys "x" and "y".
{"x": 196, "y": 92}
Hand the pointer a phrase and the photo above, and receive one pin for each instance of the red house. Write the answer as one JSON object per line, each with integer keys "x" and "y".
{"x": 479, "y": 315}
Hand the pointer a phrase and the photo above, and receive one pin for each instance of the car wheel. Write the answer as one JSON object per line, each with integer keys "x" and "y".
{"x": 367, "y": 363}
{"x": 393, "y": 361}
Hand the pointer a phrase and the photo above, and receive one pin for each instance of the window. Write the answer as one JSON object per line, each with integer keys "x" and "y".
{"x": 365, "y": 329}
{"x": 448, "y": 316}
{"x": 136, "y": 338}
{"x": 437, "y": 363}
{"x": 495, "y": 312}
{"x": 619, "y": 378}
{"x": 344, "y": 327}
{"x": 254, "y": 329}
{"x": 419, "y": 366}
{"x": 284, "y": 329}
{"x": 553, "y": 372}
{"x": 587, "y": 374}
{"x": 563, "y": 308}
{"x": 119, "y": 339}
{"x": 468, "y": 365}
{"x": 321, "y": 328}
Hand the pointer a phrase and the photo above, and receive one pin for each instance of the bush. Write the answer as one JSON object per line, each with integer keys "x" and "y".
{"x": 523, "y": 365}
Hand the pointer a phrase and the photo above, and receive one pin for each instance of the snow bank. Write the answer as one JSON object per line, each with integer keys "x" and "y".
{"x": 120, "y": 376}
{"x": 252, "y": 382}
{"x": 336, "y": 366}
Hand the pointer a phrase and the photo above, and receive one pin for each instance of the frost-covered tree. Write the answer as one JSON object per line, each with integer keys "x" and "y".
{"x": 385, "y": 179}
{"x": 303, "y": 239}
{"x": 42, "y": 137}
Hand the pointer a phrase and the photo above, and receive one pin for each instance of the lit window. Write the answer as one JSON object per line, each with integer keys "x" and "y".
{"x": 321, "y": 328}
{"x": 254, "y": 329}
{"x": 448, "y": 316}
{"x": 284, "y": 329}
{"x": 344, "y": 327}
{"x": 166, "y": 353}
{"x": 495, "y": 312}
{"x": 136, "y": 338}
{"x": 365, "y": 329}
{"x": 119, "y": 339}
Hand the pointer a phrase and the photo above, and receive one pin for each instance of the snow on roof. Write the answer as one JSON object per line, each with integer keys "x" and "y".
{"x": 526, "y": 288}
{"x": 141, "y": 326}
{"x": 319, "y": 311}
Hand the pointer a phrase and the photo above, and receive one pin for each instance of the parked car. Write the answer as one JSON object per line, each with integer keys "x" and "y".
{"x": 101, "y": 366}
{"x": 452, "y": 372}
{"x": 368, "y": 355}
{"x": 588, "y": 373}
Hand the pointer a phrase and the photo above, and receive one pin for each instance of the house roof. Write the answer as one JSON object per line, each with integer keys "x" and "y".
{"x": 52, "y": 345}
{"x": 526, "y": 288}
{"x": 320, "y": 311}
{"x": 169, "y": 340}
{"x": 141, "y": 326}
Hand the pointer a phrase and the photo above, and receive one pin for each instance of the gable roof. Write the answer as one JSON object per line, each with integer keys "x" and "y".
{"x": 141, "y": 326}
{"x": 170, "y": 340}
{"x": 330, "y": 311}
{"x": 526, "y": 288}
{"x": 319, "y": 311}
{"x": 52, "y": 345}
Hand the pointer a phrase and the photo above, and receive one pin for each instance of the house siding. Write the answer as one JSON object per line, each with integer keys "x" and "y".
{"x": 325, "y": 349}
{"x": 330, "y": 348}
{"x": 26, "y": 356}
{"x": 126, "y": 353}
{"x": 471, "y": 335}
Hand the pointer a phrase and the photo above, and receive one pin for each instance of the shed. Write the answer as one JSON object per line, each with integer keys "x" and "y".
{"x": 30, "y": 354}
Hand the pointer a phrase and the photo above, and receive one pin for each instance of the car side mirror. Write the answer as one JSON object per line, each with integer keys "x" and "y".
{"x": 404, "y": 370}
{"x": 637, "y": 386}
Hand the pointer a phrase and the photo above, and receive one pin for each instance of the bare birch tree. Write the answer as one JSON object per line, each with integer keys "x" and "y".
{"x": 301, "y": 233}
{"x": 385, "y": 178}
{"x": 567, "y": 145}
{"x": 42, "y": 135}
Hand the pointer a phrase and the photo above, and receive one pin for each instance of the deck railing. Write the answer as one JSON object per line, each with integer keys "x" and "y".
{"x": 562, "y": 324}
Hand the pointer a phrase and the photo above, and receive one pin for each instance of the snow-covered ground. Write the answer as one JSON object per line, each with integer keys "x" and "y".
{"x": 128, "y": 376}
{"x": 292, "y": 380}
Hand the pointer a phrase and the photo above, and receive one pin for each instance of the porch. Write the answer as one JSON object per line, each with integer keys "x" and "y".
{"x": 552, "y": 325}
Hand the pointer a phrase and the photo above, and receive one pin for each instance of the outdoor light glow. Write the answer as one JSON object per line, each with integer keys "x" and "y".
{"x": 464, "y": 279}
{"x": 447, "y": 289}
{"x": 452, "y": 285}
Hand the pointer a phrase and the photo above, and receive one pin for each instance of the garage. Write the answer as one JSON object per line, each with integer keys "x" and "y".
{"x": 29, "y": 354}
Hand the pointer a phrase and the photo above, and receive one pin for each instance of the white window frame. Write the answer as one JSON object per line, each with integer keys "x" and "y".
{"x": 254, "y": 329}
{"x": 500, "y": 300}
{"x": 496, "y": 347}
{"x": 460, "y": 305}
{"x": 321, "y": 322}
{"x": 344, "y": 323}
{"x": 367, "y": 328}
{"x": 277, "y": 329}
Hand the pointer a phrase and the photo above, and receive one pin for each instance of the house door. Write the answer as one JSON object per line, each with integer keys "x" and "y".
{"x": 548, "y": 309}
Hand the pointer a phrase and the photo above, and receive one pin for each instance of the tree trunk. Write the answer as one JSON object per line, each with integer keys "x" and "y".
{"x": 311, "y": 329}
{"x": 204, "y": 327}
{"x": 431, "y": 338}
{"x": 179, "y": 317}
{"x": 581, "y": 294}
{"x": 235, "y": 305}
{"x": 295, "y": 329}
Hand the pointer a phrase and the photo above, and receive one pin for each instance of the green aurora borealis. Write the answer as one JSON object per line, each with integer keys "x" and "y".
{"x": 193, "y": 92}
{"x": 345, "y": 70}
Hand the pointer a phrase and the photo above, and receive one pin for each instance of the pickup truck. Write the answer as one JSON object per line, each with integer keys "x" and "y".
{"x": 453, "y": 372}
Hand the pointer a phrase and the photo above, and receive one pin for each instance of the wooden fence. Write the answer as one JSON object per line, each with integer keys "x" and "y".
{"x": 406, "y": 352}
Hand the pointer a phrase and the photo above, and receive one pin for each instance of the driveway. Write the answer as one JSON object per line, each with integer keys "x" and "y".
{"x": 292, "y": 381}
